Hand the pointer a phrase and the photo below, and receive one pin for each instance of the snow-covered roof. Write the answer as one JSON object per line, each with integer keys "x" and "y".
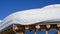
{"x": 35, "y": 15}
{"x": 26, "y": 17}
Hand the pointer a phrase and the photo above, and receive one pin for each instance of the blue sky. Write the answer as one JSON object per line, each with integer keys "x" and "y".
{"x": 10, "y": 6}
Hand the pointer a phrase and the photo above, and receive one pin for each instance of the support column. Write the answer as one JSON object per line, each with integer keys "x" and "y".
{"x": 37, "y": 27}
{"x": 46, "y": 31}
{"x": 58, "y": 25}
{"x": 34, "y": 32}
{"x": 48, "y": 27}
{"x": 58, "y": 32}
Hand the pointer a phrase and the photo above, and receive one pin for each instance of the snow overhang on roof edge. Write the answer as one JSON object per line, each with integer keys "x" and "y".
{"x": 26, "y": 17}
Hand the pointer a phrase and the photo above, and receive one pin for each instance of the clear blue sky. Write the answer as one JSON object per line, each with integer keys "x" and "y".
{"x": 10, "y": 6}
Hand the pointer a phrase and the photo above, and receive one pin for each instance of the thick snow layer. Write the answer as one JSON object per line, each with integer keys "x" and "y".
{"x": 32, "y": 16}
{"x": 0, "y": 22}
